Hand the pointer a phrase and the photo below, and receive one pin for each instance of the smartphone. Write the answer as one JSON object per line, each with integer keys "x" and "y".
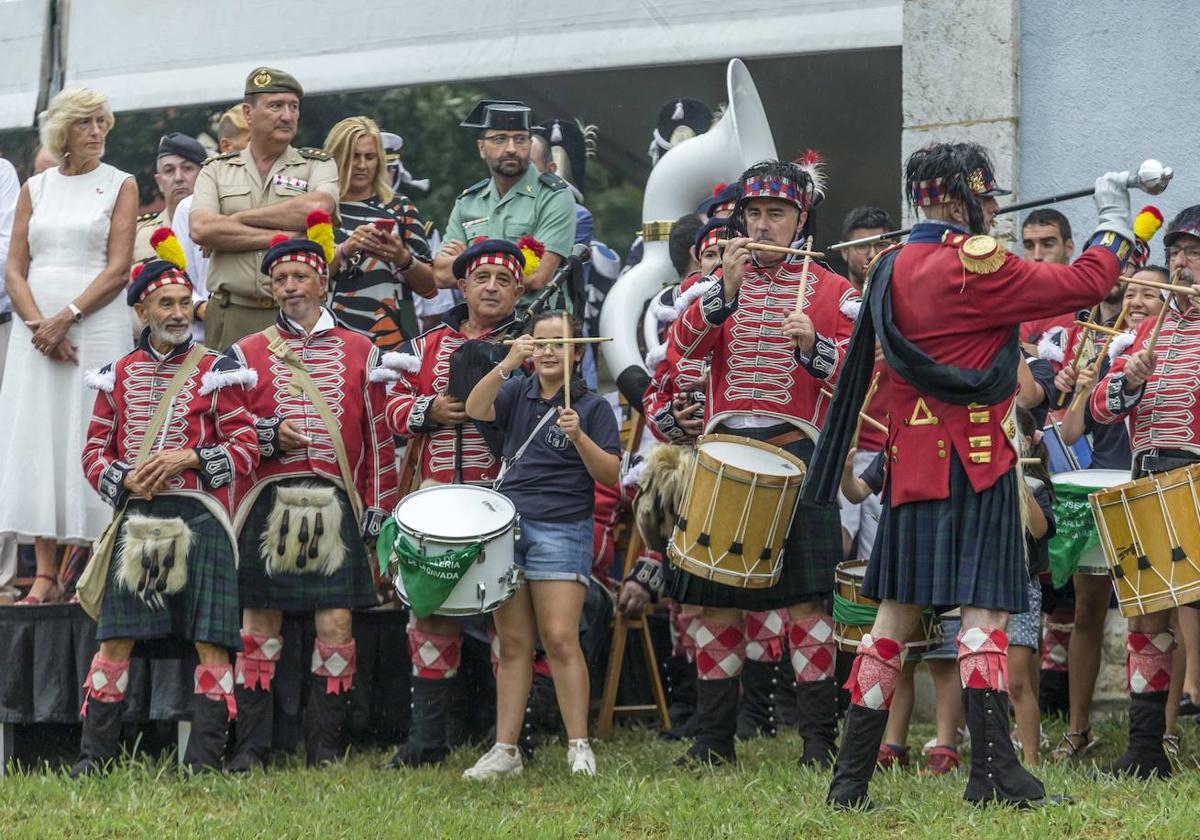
{"x": 385, "y": 225}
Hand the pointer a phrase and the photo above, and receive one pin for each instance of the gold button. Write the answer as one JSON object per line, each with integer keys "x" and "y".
{"x": 941, "y": 443}
{"x": 895, "y": 449}
{"x": 941, "y": 453}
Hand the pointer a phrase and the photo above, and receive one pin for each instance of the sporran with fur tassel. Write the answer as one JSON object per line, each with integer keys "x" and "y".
{"x": 153, "y": 559}
{"x": 304, "y": 532}
{"x": 660, "y": 493}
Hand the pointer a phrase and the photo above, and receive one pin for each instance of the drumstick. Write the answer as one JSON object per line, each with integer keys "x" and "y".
{"x": 1166, "y": 287}
{"x": 1079, "y": 397}
{"x": 581, "y": 340}
{"x": 1162, "y": 314}
{"x": 1078, "y": 357}
{"x": 567, "y": 351}
{"x": 779, "y": 249}
{"x": 863, "y": 417}
{"x": 1098, "y": 328}
{"x": 802, "y": 292}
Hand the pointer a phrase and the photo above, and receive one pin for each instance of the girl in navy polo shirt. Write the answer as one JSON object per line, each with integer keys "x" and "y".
{"x": 554, "y": 456}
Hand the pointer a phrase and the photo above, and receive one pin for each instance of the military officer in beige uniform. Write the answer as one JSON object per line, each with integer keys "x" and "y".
{"x": 175, "y": 170}
{"x": 243, "y": 199}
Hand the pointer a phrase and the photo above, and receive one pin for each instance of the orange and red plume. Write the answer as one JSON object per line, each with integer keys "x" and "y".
{"x": 167, "y": 247}
{"x": 532, "y": 250}
{"x": 1147, "y": 222}
{"x": 320, "y": 230}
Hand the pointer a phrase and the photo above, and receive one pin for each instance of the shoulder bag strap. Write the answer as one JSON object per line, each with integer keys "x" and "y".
{"x": 302, "y": 380}
{"x": 507, "y": 464}
{"x": 159, "y": 418}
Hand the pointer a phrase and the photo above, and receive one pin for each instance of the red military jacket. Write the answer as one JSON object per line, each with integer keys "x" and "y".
{"x": 755, "y": 370}
{"x": 423, "y": 369}
{"x": 209, "y": 415}
{"x": 1165, "y": 413}
{"x": 345, "y": 367}
{"x": 686, "y": 375}
{"x": 963, "y": 318}
{"x": 871, "y": 439}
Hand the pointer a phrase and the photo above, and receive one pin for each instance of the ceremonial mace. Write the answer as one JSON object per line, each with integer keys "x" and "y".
{"x": 1151, "y": 177}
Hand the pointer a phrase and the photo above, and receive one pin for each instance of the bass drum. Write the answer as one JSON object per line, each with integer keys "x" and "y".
{"x": 450, "y": 517}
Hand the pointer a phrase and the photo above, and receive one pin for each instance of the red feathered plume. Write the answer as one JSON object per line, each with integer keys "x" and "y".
{"x": 719, "y": 188}
{"x": 528, "y": 242}
{"x": 478, "y": 239}
{"x": 159, "y": 235}
{"x": 278, "y": 239}
{"x": 317, "y": 217}
{"x": 813, "y": 165}
{"x": 135, "y": 271}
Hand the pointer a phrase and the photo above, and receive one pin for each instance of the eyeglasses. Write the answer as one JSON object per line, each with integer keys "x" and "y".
{"x": 502, "y": 140}
{"x": 1191, "y": 253}
{"x": 871, "y": 247}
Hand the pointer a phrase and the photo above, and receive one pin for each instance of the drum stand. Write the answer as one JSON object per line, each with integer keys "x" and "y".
{"x": 622, "y": 624}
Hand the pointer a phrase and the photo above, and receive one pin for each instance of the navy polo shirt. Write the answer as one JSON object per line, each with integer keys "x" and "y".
{"x": 550, "y": 482}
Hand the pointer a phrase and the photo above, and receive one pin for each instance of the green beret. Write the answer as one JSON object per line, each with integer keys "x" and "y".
{"x": 270, "y": 80}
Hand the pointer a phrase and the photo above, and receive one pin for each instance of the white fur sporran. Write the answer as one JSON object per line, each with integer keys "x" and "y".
{"x": 304, "y": 531}
{"x": 153, "y": 559}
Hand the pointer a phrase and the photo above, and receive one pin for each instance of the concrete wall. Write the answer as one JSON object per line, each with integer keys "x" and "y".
{"x": 960, "y": 78}
{"x": 1103, "y": 85}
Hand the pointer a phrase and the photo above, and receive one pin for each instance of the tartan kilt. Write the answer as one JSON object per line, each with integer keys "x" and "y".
{"x": 810, "y": 553}
{"x": 205, "y": 610}
{"x": 966, "y": 550}
{"x": 349, "y": 587}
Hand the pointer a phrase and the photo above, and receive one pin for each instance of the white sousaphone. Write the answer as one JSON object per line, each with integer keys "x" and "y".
{"x": 684, "y": 176}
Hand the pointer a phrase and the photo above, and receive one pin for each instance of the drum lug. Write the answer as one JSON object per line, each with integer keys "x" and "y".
{"x": 517, "y": 528}
{"x": 512, "y": 577}
{"x": 481, "y": 593}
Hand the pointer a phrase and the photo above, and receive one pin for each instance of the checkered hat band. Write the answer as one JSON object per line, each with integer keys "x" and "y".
{"x": 934, "y": 191}
{"x": 167, "y": 278}
{"x": 783, "y": 188}
{"x": 496, "y": 258}
{"x": 306, "y": 257}
{"x": 711, "y": 239}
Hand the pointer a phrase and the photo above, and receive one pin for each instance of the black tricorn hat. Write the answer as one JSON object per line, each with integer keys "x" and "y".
{"x": 502, "y": 115}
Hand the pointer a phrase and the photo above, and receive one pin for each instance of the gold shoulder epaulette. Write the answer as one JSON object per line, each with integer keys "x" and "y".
{"x": 315, "y": 154}
{"x": 979, "y": 254}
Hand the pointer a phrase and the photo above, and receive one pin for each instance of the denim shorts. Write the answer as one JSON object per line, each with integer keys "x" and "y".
{"x": 1025, "y": 629}
{"x": 555, "y": 550}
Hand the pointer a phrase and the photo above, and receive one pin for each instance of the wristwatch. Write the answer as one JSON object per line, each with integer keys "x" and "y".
{"x": 76, "y": 312}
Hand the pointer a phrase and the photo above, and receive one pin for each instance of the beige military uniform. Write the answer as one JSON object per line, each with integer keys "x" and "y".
{"x": 147, "y": 223}
{"x": 238, "y": 304}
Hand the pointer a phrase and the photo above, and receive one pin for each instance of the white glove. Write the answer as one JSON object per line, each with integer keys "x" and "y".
{"x": 1112, "y": 204}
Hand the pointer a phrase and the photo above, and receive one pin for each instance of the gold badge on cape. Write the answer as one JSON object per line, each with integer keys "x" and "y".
{"x": 262, "y": 78}
{"x": 981, "y": 254}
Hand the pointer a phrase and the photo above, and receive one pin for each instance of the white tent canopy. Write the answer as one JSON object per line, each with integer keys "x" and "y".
{"x": 149, "y": 55}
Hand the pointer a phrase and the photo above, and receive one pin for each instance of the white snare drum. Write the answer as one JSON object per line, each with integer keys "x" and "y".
{"x": 451, "y": 517}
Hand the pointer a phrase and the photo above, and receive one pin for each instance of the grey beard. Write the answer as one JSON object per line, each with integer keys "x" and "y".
{"x": 162, "y": 333}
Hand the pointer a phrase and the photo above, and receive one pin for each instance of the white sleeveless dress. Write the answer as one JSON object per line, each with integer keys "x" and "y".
{"x": 44, "y": 406}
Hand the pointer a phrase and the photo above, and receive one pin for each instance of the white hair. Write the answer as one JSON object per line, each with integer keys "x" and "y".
{"x": 69, "y": 106}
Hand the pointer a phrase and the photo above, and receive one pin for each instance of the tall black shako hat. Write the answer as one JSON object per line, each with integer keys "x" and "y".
{"x": 499, "y": 115}
{"x": 942, "y": 172}
{"x": 571, "y": 144}
{"x": 678, "y": 120}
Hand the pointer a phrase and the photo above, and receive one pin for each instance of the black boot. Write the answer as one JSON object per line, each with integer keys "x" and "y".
{"x": 716, "y": 723}
{"x": 1145, "y": 757}
{"x": 210, "y": 732}
{"x": 816, "y": 718}
{"x": 856, "y": 759}
{"x": 253, "y": 729}
{"x": 756, "y": 711}
{"x": 323, "y": 719}
{"x": 426, "y": 742}
{"x": 787, "y": 714}
{"x": 996, "y": 774}
{"x": 101, "y": 737}
{"x": 1054, "y": 694}
{"x": 680, "y": 684}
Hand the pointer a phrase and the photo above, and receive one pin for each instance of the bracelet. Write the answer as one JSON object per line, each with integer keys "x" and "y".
{"x": 408, "y": 263}
{"x": 500, "y": 372}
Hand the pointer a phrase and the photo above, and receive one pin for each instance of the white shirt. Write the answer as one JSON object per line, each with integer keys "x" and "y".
{"x": 10, "y": 188}
{"x": 197, "y": 263}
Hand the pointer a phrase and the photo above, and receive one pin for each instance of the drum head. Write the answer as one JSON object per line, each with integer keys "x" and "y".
{"x": 852, "y": 569}
{"x": 1092, "y": 479}
{"x": 455, "y": 512}
{"x": 749, "y": 458}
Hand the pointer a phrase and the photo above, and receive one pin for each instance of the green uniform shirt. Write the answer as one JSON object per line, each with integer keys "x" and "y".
{"x": 539, "y": 205}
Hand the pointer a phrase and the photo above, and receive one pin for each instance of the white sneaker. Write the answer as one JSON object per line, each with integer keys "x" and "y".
{"x": 580, "y": 758}
{"x": 500, "y": 760}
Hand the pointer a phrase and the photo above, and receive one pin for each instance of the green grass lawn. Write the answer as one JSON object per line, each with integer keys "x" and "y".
{"x": 637, "y": 794}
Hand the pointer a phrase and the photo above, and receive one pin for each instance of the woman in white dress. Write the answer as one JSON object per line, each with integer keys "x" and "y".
{"x": 72, "y": 242}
